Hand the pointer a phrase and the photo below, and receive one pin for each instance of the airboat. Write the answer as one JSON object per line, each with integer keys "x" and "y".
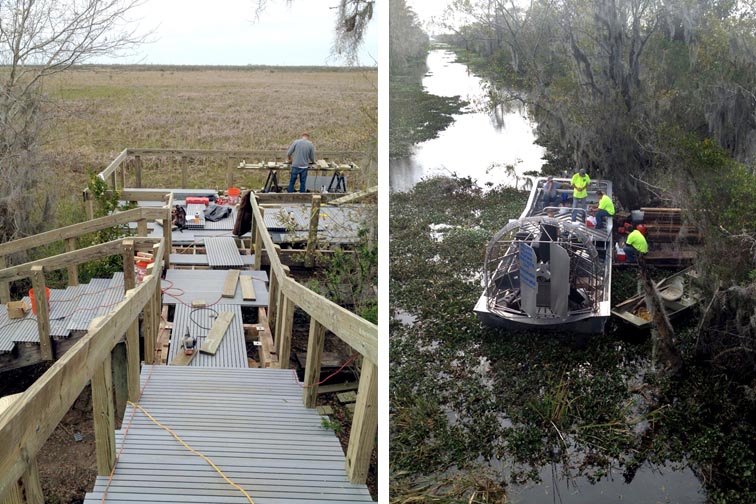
{"x": 543, "y": 271}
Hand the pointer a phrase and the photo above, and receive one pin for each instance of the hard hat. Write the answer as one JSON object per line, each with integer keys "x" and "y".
{"x": 642, "y": 229}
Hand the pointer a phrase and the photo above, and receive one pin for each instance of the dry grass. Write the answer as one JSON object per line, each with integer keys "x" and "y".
{"x": 98, "y": 112}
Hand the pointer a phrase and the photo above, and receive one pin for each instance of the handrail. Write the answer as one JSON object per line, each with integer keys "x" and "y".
{"x": 27, "y": 424}
{"x": 113, "y": 166}
{"x": 76, "y": 230}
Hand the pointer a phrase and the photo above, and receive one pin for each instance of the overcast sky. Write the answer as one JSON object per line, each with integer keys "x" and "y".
{"x": 225, "y": 32}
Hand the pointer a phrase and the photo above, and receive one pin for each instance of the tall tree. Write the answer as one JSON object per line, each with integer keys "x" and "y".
{"x": 39, "y": 38}
{"x": 352, "y": 22}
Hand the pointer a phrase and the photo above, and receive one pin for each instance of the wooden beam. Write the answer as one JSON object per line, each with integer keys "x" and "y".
{"x": 62, "y": 260}
{"x": 267, "y": 352}
{"x": 241, "y": 154}
{"x": 350, "y": 328}
{"x": 167, "y": 232}
{"x": 149, "y": 322}
{"x": 138, "y": 171}
{"x": 74, "y": 230}
{"x": 29, "y": 421}
{"x": 31, "y": 484}
{"x": 43, "y": 311}
{"x": 103, "y": 416}
{"x": 259, "y": 230}
{"x": 355, "y": 196}
{"x": 312, "y": 367}
{"x": 312, "y": 236}
{"x": 247, "y": 288}
{"x": 13, "y": 495}
{"x": 229, "y": 286}
{"x": 135, "y": 194}
{"x": 364, "y": 425}
{"x": 142, "y": 227}
{"x": 217, "y": 332}
{"x": 73, "y": 270}
{"x": 132, "y": 360}
{"x": 120, "y": 379}
{"x": 5, "y": 285}
{"x": 88, "y": 204}
{"x": 283, "y": 333}
{"x": 113, "y": 166}
{"x": 123, "y": 176}
{"x": 273, "y": 296}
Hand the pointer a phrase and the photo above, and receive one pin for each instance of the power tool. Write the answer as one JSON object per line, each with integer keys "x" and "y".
{"x": 189, "y": 343}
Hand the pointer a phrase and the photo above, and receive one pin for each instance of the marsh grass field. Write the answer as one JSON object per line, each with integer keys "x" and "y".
{"x": 95, "y": 112}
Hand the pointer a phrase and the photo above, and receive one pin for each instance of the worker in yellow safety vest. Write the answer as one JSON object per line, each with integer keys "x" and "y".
{"x": 579, "y": 184}
{"x": 605, "y": 209}
{"x": 635, "y": 244}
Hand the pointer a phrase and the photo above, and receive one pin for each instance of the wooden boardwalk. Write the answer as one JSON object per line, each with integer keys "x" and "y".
{"x": 250, "y": 422}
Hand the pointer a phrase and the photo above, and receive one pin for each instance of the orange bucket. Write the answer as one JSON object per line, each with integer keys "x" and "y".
{"x": 141, "y": 268}
{"x": 233, "y": 192}
{"x": 34, "y": 305}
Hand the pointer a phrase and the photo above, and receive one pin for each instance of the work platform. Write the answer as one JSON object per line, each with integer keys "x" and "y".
{"x": 250, "y": 422}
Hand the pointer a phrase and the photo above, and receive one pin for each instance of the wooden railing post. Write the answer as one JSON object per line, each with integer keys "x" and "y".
{"x": 142, "y": 227}
{"x": 273, "y": 297}
{"x": 312, "y": 237}
{"x": 364, "y": 425}
{"x": 138, "y": 171}
{"x": 73, "y": 270}
{"x": 31, "y": 485}
{"x": 184, "y": 172}
{"x": 123, "y": 174}
{"x": 258, "y": 241}
{"x": 88, "y": 204}
{"x": 104, "y": 418}
{"x": 120, "y": 378}
{"x": 43, "y": 312}
{"x": 167, "y": 236}
{"x": 151, "y": 316}
{"x": 4, "y": 285}
{"x": 114, "y": 181}
{"x": 279, "y": 300}
{"x": 283, "y": 333}
{"x": 132, "y": 335}
{"x": 312, "y": 368}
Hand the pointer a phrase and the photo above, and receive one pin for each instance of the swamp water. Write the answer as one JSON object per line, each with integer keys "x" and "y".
{"x": 479, "y": 144}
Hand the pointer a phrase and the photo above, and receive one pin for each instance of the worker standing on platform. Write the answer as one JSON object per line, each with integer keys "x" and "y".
{"x": 605, "y": 209}
{"x": 301, "y": 153}
{"x": 636, "y": 244}
{"x": 579, "y": 184}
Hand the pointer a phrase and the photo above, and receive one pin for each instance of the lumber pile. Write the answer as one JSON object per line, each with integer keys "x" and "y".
{"x": 665, "y": 225}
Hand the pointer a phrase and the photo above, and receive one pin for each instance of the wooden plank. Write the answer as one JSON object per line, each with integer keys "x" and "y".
{"x": 103, "y": 416}
{"x": 30, "y": 420}
{"x": 73, "y": 270}
{"x": 138, "y": 171}
{"x": 247, "y": 288}
{"x": 6, "y": 401}
{"x": 43, "y": 312}
{"x": 4, "y": 285}
{"x": 364, "y": 425}
{"x": 315, "y": 344}
{"x": 72, "y": 231}
{"x": 13, "y": 495}
{"x": 229, "y": 287}
{"x": 184, "y": 172}
{"x": 312, "y": 236}
{"x": 182, "y": 359}
{"x": 355, "y": 196}
{"x": 346, "y": 397}
{"x": 217, "y": 332}
{"x": 120, "y": 379}
{"x": 260, "y": 231}
{"x": 266, "y": 350}
{"x": 132, "y": 361}
{"x": 31, "y": 484}
{"x": 59, "y": 261}
{"x": 284, "y": 332}
{"x": 337, "y": 387}
{"x": 350, "y": 328}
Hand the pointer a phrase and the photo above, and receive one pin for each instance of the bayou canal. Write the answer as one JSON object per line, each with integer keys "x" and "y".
{"x": 483, "y": 413}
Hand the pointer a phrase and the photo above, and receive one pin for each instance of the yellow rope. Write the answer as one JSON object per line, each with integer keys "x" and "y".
{"x": 204, "y": 457}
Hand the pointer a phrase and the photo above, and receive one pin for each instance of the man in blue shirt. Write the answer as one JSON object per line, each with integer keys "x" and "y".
{"x": 301, "y": 153}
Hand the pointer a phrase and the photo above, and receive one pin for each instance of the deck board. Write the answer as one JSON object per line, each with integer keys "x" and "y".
{"x": 262, "y": 437}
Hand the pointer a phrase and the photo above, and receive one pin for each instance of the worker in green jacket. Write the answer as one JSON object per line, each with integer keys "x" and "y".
{"x": 635, "y": 244}
{"x": 579, "y": 184}
{"x": 605, "y": 209}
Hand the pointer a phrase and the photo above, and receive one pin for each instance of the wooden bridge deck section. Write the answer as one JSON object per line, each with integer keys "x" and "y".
{"x": 250, "y": 422}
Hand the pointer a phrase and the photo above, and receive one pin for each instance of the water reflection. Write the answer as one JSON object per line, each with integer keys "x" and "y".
{"x": 480, "y": 143}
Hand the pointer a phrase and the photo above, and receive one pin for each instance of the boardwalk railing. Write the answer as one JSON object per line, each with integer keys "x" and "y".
{"x": 128, "y": 165}
{"x": 69, "y": 235}
{"x": 285, "y": 295}
{"x": 33, "y": 415}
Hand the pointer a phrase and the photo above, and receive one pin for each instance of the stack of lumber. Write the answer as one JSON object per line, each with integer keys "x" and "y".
{"x": 665, "y": 225}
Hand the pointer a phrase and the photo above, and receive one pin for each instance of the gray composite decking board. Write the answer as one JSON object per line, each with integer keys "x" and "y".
{"x": 223, "y": 252}
{"x": 208, "y": 285}
{"x": 88, "y": 304}
{"x": 226, "y": 414}
{"x": 201, "y": 260}
{"x": 232, "y": 351}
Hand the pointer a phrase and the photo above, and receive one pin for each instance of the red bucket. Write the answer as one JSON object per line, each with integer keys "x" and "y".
{"x": 34, "y": 305}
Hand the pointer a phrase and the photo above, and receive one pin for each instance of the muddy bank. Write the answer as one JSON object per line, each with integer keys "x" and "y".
{"x": 487, "y": 411}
